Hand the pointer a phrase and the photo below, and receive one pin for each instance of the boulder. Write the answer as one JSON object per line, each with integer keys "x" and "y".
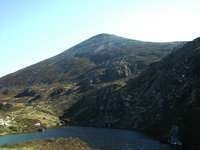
{"x": 5, "y": 106}
{"x": 57, "y": 92}
{"x": 26, "y": 92}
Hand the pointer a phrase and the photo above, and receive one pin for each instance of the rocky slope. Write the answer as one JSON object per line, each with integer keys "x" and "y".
{"x": 166, "y": 97}
{"x": 84, "y": 82}
{"x": 162, "y": 101}
{"x": 107, "y": 56}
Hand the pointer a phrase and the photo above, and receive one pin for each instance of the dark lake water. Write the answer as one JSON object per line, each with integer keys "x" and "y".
{"x": 101, "y": 138}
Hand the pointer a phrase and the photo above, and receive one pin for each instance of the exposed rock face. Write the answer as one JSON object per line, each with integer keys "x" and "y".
{"x": 35, "y": 99}
{"x": 57, "y": 92}
{"x": 116, "y": 71}
{"x": 26, "y": 92}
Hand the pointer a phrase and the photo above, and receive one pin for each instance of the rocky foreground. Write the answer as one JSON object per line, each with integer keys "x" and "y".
{"x": 49, "y": 144}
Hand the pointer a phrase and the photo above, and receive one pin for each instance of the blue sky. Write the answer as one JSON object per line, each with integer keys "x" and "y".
{"x": 34, "y": 30}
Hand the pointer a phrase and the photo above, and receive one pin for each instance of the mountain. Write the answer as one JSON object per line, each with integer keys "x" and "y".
{"x": 101, "y": 54}
{"x": 84, "y": 85}
{"x": 163, "y": 100}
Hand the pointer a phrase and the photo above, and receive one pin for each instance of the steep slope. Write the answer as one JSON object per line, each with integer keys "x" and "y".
{"x": 167, "y": 96}
{"x": 164, "y": 100}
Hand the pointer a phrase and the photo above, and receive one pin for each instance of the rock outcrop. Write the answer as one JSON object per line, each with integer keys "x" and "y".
{"x": 5, "y": 106}
{"x": 26, "y": 92}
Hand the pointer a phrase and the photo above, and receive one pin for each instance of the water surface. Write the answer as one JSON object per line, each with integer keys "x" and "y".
{"x": 101, "y": 138}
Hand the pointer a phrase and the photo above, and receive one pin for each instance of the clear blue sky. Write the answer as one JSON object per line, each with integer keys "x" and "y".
{"x": 33, "y": 30}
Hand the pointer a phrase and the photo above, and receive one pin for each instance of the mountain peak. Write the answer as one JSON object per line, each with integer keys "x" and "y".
{"x": 105, "y": 43}
{"x": 104, "y": 35}
{"x": 102, "y": 40}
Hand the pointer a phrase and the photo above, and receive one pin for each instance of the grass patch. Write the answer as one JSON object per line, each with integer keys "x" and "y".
{"x": 49, "y": 144}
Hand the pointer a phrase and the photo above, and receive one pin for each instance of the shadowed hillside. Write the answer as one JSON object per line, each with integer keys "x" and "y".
{"x": 162, "y": 101}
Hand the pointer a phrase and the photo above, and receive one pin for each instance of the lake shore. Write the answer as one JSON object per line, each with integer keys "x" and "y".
{"x": 100, "y": 138}
{"x": 51, "y": 143}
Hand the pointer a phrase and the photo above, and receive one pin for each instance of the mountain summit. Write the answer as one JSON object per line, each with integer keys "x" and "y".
{"x": 96, "y": 43}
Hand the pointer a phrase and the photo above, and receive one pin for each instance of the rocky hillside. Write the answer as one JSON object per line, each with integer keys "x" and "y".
{"x": 166, "y": 97}
{"x": 164, "y": 100}
{"x": 107, "y": 56}
{"x": 83, "y": 85}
